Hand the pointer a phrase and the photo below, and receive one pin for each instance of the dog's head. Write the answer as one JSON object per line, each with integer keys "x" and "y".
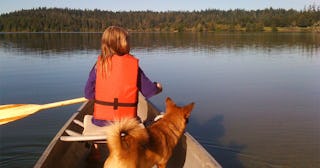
{"x": 184, "y": 111}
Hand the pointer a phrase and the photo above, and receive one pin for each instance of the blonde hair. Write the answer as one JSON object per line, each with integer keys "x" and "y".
{"x": 114, "y": 41}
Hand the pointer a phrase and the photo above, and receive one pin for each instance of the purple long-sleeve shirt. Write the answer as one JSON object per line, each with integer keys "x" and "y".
{"x": 145, "y": 85}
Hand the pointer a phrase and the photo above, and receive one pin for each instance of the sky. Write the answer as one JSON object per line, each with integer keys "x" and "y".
{"x": 155, "y": 5}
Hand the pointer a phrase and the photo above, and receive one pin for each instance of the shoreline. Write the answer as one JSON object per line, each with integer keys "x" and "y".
{"x": 240, "y": 30}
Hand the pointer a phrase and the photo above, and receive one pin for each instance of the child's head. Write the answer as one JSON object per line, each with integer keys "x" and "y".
{"x": 114, "y": 41}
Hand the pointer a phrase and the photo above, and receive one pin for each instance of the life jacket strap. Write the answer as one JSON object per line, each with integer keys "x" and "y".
{"x": 116, "y": 103}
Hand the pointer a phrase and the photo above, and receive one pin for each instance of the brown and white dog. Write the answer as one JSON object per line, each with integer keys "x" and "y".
{"x": 133, "y": 146}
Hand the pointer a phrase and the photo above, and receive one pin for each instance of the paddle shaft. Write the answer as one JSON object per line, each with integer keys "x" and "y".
{"x": 63, "y": 103}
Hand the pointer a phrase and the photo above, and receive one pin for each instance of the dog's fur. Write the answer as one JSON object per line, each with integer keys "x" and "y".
{"x": 132, "y": 146}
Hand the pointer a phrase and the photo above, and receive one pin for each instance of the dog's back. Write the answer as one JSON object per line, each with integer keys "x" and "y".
{"x": 166, "y": 132}
{"x": 125, "y": 138}
{"x": 133, "y": 146}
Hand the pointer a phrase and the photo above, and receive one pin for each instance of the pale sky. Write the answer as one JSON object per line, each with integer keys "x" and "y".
{"x": 155, "y": 5}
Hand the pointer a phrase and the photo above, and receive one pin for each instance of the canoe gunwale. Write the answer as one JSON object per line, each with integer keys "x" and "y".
{"x": 41, "y": 161}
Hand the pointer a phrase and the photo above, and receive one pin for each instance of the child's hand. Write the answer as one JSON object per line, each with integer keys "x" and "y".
{"x": 159, "y": 86}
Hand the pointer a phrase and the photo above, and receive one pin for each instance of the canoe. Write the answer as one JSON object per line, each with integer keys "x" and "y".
{"x": 187, "y": 154}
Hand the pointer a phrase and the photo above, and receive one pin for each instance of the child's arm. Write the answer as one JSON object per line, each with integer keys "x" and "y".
{"x": 146, "y": 86}
{"x": 89, "y": 91}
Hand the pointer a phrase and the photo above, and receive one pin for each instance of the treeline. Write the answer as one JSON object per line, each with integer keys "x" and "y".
{"x": 72, "y": 20}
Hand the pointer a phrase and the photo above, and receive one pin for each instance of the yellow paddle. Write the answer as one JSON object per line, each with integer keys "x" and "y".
{"x": 12, "y": 112}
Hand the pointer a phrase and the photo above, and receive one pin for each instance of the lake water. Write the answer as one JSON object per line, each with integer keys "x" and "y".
{"x": 257, "y": 95}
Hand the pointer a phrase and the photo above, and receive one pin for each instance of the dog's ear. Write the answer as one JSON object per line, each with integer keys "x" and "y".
{"x": 169, "y": 102}
{"x": 188, "y": 108}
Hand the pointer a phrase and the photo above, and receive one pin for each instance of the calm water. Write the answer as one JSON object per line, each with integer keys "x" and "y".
{"x": 257, "y": 95}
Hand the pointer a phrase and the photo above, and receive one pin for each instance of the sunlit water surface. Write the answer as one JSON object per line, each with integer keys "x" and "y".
{"x": 257, "y": 95}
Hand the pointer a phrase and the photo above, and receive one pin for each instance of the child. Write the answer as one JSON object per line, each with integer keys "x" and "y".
{"x": 116, "y": 78}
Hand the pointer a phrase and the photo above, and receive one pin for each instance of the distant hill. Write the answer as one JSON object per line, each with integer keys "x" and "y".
{"x": 72, "y": 20}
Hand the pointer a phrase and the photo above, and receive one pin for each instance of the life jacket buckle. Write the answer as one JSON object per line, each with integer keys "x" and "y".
{"x": 115, "y": 103}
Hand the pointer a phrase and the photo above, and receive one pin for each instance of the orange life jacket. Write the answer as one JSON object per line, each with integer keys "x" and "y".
{"x": 116, "y": 94}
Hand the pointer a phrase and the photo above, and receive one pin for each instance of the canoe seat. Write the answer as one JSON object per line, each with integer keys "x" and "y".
{"x": 92, "y": 129}
{"x": 72, "y": 133}
{"x": 90, "y": 132}
{"x": 95, "y": 133}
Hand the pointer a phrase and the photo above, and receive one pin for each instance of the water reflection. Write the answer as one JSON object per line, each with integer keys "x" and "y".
{"x": 50, "y": 42}
{"x": 67, "y": 42}
{"x": 212, "y": 131}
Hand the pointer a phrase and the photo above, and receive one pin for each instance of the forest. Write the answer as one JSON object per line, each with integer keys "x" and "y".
{"x": 76, "y": 20}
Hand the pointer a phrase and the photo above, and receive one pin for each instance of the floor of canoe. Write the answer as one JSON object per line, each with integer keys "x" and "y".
{"x": 97, "y": 156}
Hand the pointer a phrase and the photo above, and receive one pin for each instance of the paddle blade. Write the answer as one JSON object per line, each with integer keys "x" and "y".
{"x": 13, "y": 112}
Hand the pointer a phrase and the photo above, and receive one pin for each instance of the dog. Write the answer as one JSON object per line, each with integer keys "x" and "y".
{"x": 134, "y": 146}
